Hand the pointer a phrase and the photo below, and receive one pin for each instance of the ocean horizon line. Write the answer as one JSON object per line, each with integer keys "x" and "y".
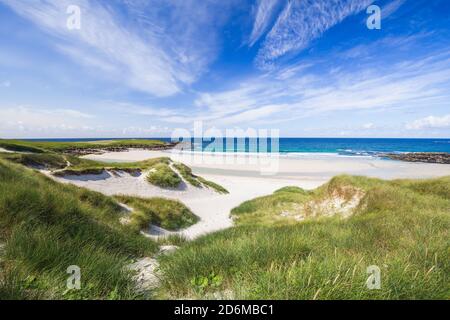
{"x": 284, "y": 145}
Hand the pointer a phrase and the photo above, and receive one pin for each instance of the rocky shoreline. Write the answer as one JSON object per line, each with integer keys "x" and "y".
{"x": 427, "y": 157}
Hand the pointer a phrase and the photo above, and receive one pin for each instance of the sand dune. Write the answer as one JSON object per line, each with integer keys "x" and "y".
{"x": 245, "y": 176}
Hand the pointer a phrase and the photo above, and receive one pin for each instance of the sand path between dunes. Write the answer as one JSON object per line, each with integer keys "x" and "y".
{"x": 244, "y": 176}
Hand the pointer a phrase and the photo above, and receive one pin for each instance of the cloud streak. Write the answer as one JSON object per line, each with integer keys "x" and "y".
{"x": 300, "y": 22}
{"x": 287, "y": 94}
{"x": 159, "y": 61}
{"x": 264, "y": 13}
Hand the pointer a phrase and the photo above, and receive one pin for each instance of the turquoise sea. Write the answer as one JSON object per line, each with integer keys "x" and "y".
{"x": 341, "y": 146}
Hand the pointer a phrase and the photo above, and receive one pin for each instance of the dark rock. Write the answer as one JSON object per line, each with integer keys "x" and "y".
{"x": 428, "y": 157}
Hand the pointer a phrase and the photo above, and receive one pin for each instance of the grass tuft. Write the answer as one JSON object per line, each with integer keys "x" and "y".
{"x": 187, "y": 174}
{"x": 163, "y": 176}
{"x": 197, "y": 181}
{"x": 166, "y": 213}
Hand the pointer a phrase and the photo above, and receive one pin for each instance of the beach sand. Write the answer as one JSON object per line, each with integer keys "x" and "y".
{"x": 5, "y": 151}
{"x": 245, "y": 177}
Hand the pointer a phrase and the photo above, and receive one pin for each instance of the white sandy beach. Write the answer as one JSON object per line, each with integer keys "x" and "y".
{"x": 245, "y": 177}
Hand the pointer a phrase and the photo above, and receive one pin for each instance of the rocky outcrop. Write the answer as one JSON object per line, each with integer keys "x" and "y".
{"x": 429, "y": 157}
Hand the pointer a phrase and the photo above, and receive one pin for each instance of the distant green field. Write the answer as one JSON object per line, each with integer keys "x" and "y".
{"x": 38, "y": 146}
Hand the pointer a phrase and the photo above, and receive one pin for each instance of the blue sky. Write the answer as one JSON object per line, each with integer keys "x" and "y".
{"x": 143, "y": 68}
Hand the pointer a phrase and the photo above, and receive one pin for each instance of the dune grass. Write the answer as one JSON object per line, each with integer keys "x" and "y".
{"x": 210, "y": 184}
{"x": 73, "y": 165}
{"x": 169, "y": 214}
{"x": 49, "y": 161}
{"x": 198, "y": 181}
{"x": 45, "y": 227}
{"x": 163, "y": 176}
{"x": 64, "y": 164}
{"x": 84, "y": 166}
{"x": 400, "y": 226}
{"x": 187, "y": 174}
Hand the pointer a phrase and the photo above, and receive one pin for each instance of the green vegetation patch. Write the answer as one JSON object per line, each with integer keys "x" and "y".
{"x": 84, "y": 166}
{"x": 163, "y": 176}
{"x": 168, "y": 214}
{"x": 49, "y": 161}
{"x": 213, "y": 185}
{"x": 18, "y": 146}
{"x": 64, "y": 164}
{"x": 54, "y": 146}
{"x": 400, "y": 226}
{"x": 47, "y": 227}
{"x": 291, "y": 190}
{"x": 187, "y": 174}
{"x": 197, "y": 181}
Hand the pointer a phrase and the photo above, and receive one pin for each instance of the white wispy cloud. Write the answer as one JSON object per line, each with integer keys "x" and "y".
{"x": 278, "y": 98}
{"x": 264, "y": 11}
{"x": 391, "y": 7}
{"x": 430, "y": 122}
{"x": 300, "y": 22}
{"x": 169, "y": 53}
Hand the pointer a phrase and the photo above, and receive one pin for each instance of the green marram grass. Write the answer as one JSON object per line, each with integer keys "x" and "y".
{"x": 49, "y": 161}
{"x": 166, "y": 213}
{"x": 83, "y": 166}
{"x": 46, "y": 227}
{"x": 401, "y": 226}
{"x": 163, "y": 176}
{"x": 210, "y": 184}
{"x": 187, "y": 174}
{"x": 64, "y": 164}
{"x": 197, "y": 181}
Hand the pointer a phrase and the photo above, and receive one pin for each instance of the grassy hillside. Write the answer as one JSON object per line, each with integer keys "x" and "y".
{"x": 46, "y": 227}
{"x": 285, "y": 247}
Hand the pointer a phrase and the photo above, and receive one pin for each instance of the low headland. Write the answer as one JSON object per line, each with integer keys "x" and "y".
{"x": 426, "y": 157}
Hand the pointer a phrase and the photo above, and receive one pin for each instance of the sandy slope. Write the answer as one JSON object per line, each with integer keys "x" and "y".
{"x": 245, "y": 176}
{"x": 5, "y": 151}
{"x": 212, "y": 208}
